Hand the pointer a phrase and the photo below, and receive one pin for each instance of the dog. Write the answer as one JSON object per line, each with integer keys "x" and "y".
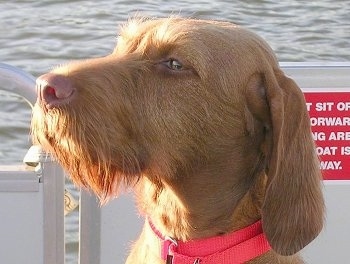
{"x": 196, "y": 117}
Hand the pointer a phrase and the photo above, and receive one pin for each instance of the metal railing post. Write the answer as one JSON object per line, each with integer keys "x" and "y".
{"x": 89, "y": 229}
{"x": 52, "y": 177}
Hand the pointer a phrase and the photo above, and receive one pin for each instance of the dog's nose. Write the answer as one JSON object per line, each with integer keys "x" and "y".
{"x": 54, "y": 90}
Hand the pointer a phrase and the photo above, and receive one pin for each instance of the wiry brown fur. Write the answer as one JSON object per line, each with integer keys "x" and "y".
{"x": 209, "y": 149}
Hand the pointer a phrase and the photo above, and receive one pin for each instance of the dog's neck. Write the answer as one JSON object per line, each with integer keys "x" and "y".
{"x": 192, "y": 208}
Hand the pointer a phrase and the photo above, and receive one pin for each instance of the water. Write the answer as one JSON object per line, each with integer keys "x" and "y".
{"x": 37, "y": 35}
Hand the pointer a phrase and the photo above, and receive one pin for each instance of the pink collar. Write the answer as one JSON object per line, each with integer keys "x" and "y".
{"x": 234, "y": 248}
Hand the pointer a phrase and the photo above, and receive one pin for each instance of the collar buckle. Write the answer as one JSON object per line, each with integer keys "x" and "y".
{"x": 169, "y": 244}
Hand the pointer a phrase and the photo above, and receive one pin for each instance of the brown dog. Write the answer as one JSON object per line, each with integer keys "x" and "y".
{"x": 199, "y": 119}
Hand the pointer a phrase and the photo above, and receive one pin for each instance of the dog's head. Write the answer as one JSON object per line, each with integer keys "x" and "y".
{"x": 177, "y": 95}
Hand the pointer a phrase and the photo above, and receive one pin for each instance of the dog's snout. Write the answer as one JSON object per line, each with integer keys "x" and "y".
{"x": 54, "y": 90}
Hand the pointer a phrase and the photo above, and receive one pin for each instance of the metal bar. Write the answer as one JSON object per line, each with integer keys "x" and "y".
{"x": 18, "y": 181}
{"x": 17, "y": 81}
{"x": 89, "y": 229}
{"x": 53, "y": 180}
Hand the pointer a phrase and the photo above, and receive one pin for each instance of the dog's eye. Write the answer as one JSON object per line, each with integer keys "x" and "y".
{"x": 174, "y": 65}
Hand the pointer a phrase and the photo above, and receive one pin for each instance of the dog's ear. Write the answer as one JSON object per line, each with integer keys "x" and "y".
{"x": 293, "y": 208}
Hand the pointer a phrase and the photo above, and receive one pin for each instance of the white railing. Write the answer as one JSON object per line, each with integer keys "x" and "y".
{"x": 38, "y": 210}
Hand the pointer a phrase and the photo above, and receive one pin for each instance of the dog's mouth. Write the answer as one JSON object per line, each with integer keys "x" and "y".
{"x": 86, "y": 151}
